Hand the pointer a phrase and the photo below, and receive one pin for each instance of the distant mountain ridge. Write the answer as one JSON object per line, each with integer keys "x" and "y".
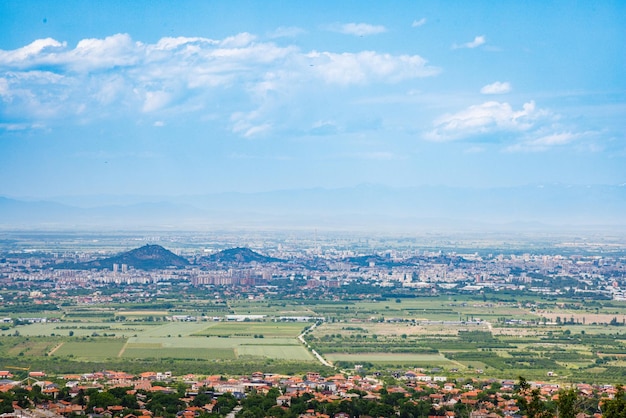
{"x": 364, "y": 207}
{"x": 148, "y": 257}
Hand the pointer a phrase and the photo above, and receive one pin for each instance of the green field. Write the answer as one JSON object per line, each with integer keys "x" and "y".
{"x": 414, "y": 360}
{"x": 427, "y": 332}
{"x": 100, "y": 348}
{"x": 282, "y": 352}
{"x": 80, "y": 329}
{"x": 179, "y": 353}
{"x": 267, "y": 329}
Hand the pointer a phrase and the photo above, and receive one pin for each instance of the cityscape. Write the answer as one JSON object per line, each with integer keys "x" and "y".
{"x": 331, "y": 323}
{"x": 329, "y": 209}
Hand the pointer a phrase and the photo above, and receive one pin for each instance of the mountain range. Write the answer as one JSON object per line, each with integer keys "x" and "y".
{"x": 365, "y": 207}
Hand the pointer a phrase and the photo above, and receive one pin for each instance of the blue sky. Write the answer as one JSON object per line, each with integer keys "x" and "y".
{"x": 194, "y": 97}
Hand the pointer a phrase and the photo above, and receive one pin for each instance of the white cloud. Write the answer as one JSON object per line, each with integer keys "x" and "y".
{"x": 496, "y": 88}
{"x": 155, "y": 100}
{"x": 169, "y": 43}
{"x": 116, "y": 75}
{"x": 369, "y": 66}
{"x": 257, "y": 130}
{"x": 286, "y": 32}
{"x": 4, "y": 87}
{"x": 248, "y": 125}
{"x": 238, "y": 41}
{"x": 361, "y": 29}
{"x": 20, "y": 126}
{"x": 478, "y": 41}
{"x": 112, "y": 51}
{"x": 88, "y": 55}
{"x": 544, "y": 142}
{"x": 26, "y": 53}
{"x": 485, "y": 118}
{"x": 528, "y": 129}
{"x": 324, "y": 127}
{"x": 418, "y": 23}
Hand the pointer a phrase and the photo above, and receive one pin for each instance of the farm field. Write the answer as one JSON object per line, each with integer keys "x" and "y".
{"x": 412, "y": 360}
{"x": 248, "y": 329}
{"x": 270, "y": 308}
{"x": 468, "y": 334}
{"x": 91, "y": 340}
{"x": 96, "y": 349}
{"x": 79, "y": 329}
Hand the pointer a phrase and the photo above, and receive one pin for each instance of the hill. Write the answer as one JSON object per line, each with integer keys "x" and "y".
{"x": 148, "y": 257}
{"x": 239, "y": 255}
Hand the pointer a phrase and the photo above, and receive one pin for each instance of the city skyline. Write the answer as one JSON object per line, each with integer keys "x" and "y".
{"x": 193, "y": 98}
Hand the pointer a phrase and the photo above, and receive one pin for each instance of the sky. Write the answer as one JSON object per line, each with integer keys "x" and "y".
{"x": 195, "y": 97}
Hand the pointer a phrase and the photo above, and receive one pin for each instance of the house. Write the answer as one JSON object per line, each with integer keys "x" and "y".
{"x": 283, "y": 400}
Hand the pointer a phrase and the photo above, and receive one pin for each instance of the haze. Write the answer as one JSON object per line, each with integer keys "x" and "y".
{"x": 458, "y": 110}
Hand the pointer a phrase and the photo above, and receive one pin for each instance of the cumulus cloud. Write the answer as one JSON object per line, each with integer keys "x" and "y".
{"x": 368, "y": 66}
{"x": 170, "y": 43}
{"x": 116, "y": 75}
{"x": 528, "y": 129}
{"x": 418, "y": 23}
{"x": 478, "y": 41}
{"x": 496, "y": 88}
{"x": 485, "y": 118}
{"x": 360, "y": 29}
{"x": 23, "y": 55}
{"x": 88, "y": 55}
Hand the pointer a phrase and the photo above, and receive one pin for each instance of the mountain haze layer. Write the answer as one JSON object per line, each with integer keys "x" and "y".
{"x": 363, "y": 207}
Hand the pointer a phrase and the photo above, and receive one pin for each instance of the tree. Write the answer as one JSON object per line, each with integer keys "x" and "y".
{"x": 225, "y": 403}
{"x": 529, "y": 401}
{"x": 101, "y": 400}
{"x": 567, "y": 404}
{"x": 201, "y": 399}
{"x": 80, "y": 398}
{"x": 616, "y": 407}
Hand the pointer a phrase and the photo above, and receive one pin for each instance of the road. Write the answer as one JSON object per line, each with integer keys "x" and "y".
{"x": 234, "y": 412}
{"x": 315, "y": 353}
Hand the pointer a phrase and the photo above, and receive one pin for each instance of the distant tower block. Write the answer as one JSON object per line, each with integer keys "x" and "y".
{"x": 115, "y": 267}
{"x": 124, "y": 268}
